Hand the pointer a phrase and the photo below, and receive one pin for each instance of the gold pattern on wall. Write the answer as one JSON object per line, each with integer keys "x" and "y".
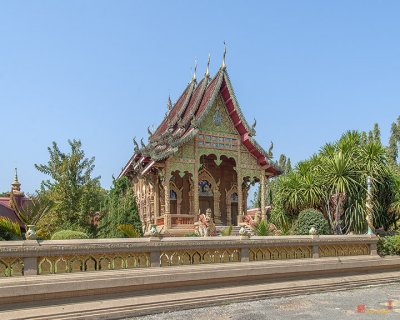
{"x": 343, "y": 250}
{"x": 218, "y": 153}
{"x": 182, "y": 167}
{"x": 182, "y": 257}
{"x": 188, "y": 152}
{"x": 226, "y": 125}
{"x": 94, "y": 262}
{"x": 178, "y": 154}
{"x": 279, "y": 253}
{"x": 251, "y": 173}
{"x": 11, "y": 267}
{"x": 248, "y": 159}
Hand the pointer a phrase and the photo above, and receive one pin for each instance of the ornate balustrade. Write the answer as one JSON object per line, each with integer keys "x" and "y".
{"x": 18, "y": 258}
{"x": 182, "y": 219}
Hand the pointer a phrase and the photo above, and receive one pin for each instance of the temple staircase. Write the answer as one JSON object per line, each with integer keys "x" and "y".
{"x": 235, "y": 230}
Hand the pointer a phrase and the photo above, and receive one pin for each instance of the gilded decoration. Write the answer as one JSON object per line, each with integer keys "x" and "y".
{"x": 11, "y": 267}
{"x": 248, "y": 159}
{"x": 186, "y": 257}
{"x": 220, "y": 114}
{"x": 178, "y": 154}
{"x": 251, "y": 173}
{"x": 188, "y": 152}
{"x": 279, "y": 253}
{"x": 182, "y": 167}
{"x": 218, "y": 153}
{"x": 343, "y": 250}
{"x": 94, "y": 262}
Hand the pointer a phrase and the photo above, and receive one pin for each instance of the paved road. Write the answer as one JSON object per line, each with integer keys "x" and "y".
{"x": 331, "y": 306}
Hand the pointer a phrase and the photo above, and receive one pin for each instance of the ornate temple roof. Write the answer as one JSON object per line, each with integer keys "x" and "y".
{"x": 182, "y": 120}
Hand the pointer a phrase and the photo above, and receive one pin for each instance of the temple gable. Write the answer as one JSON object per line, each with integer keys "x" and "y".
{"x": 217, "y": 119}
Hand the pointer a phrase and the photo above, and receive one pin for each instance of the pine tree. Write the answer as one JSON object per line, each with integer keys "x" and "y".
{"x": 282, "y": 161}
{"x": 364, "y": 138}
{"x": 370, "y": 136}
{"x": 377, "y": 133}
{"x": 392, "y": 150}
{"x": 288, "y": 166}
{"x": 120, "y": 207}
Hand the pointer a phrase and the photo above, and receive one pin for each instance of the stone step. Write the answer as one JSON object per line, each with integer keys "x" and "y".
{"x": 248, "y": 281}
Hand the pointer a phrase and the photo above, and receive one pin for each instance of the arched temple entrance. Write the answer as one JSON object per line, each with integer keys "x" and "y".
{"x": 206, "y": 196}
{"x": 202, "y": 155}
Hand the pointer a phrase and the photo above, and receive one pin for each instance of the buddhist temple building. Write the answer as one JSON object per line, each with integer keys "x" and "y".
{"x": 202, "y": 155}
{"x": 7, "y": 209}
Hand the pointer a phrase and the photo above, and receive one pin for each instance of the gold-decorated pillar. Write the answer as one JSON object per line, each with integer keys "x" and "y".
{"x": 156, "y": 200}
{"x": 263, "y": 194}
{"x": 167, "y": 216}
{"x": 196, "y": 178}
{"x": 239, "y": 188}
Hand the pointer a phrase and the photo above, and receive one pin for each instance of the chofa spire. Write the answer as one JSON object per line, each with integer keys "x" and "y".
{"x": 223, "y": 67}
{"x": 194, "y": 73}
{"x": 208, "y": 65}
{"x": 169, "y": 103}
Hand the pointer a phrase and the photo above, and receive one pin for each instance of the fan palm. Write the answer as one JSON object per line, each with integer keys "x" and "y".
{"x": 128, "y": 230}
{"x": 34, "y": 211}
{"x": 7, "y": 225}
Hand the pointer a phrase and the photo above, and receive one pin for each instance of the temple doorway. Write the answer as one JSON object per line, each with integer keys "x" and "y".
{"x": 206, "y": 196}
{"x": 173, "y": 202}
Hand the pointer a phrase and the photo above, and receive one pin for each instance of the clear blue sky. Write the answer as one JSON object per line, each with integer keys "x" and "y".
{"x": 101, "y": 71}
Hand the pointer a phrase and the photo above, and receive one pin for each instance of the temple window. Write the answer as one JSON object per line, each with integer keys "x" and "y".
{"x": 235, "y": 197}
{"x": 205, "y": 189}
{"x": 172, "y": 195}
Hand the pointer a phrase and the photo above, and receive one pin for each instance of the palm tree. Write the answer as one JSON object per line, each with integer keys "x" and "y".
{"x": 128, "y": 230}
{"x": 34, "y": 211}
{"x": 11, "y": 227}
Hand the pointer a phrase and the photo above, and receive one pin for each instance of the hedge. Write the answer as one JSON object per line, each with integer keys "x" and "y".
{"x": 69, "y": 234}
{"x": 311, "y": 218}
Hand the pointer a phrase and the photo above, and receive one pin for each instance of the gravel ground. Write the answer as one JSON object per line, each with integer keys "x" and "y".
{"x": 330, "y": 305}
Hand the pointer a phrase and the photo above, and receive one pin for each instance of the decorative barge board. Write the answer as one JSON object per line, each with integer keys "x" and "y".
{"x": 202, "y": 155}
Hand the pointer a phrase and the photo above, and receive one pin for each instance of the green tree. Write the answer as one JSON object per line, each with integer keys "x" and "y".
{"x": 370, "y": 136}
{"x": 364, "y": 138}
{"x": 392, "y": 149}
{"x": 4, "y": 194}
{"x": 288, "y": 167}
{"x": 377, "y": 133}
{"x": 71, "y": 187}
{"x": 334, "y": 182}
{"x": 119, "y": 208}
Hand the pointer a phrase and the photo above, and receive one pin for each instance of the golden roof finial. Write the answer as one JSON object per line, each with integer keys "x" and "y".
{"x": 16, "y": 185}
{"x": 195, "y": 67}
{"x": 208, "y": 65}
{"x": 223, "y": 67}
{"x": 169, "y": 103}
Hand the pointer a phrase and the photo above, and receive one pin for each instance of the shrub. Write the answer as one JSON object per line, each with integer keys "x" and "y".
{"x": 311, "y": 218}
{"x": 227, "y": 231}
{"x": 281, "y": 219}
{"x": 128, "y": 230}
{"x": 389, "y": 245}
{"x": 69, "y": 234}
{"x": 194, "y": 234}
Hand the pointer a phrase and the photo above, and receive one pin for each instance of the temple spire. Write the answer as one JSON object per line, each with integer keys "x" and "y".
{"x": 223, "y": 67}
{"x": 169, "y": 103}
{"x": 194, "y": 74}
{"x": 16, "y": 185}
{"x": 208, "y": 65}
